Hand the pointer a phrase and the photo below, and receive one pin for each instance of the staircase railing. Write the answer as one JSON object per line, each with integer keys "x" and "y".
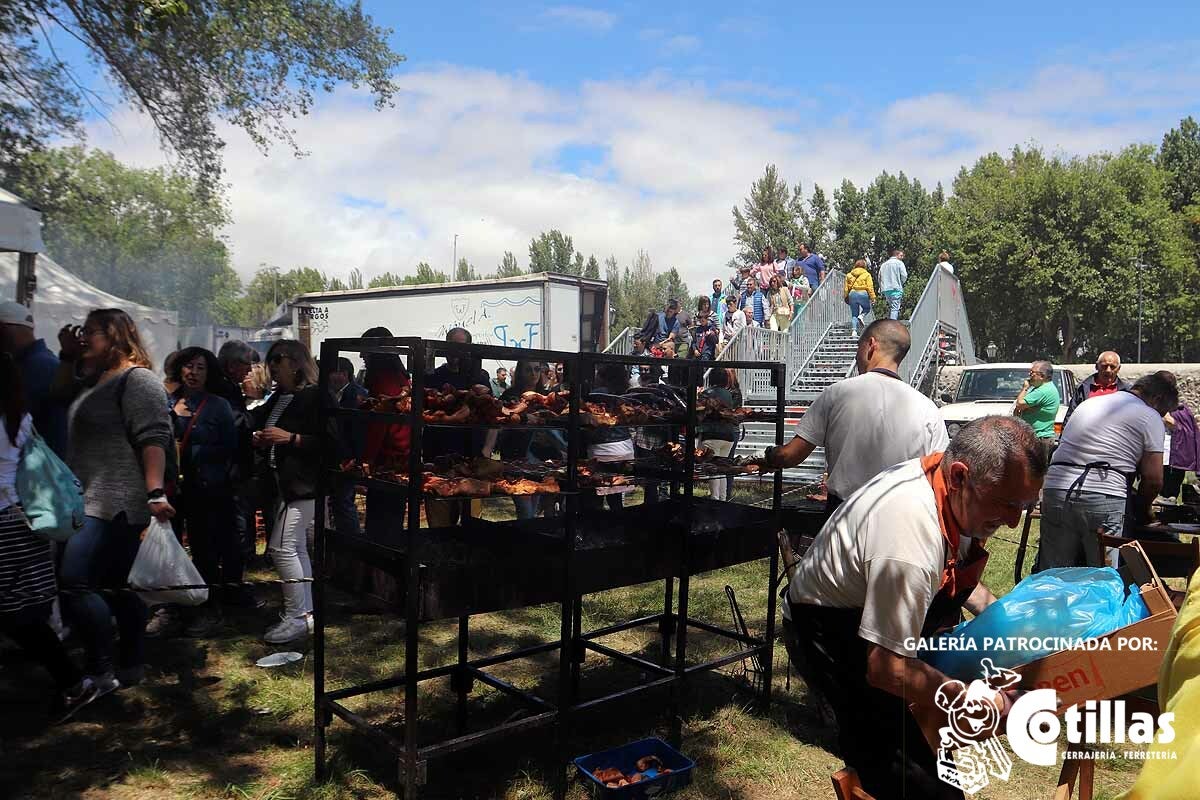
{"x": 755, "y": 344}
{"x": 941, "y": 306}
{"x": 622, "y": 345}
{"x": 823, "y": 310}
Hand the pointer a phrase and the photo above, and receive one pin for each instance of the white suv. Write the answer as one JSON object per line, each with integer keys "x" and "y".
{"x": 993, "y": 388}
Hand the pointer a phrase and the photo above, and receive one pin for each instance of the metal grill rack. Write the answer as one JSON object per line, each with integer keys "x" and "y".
{"x": 480, "y": 566}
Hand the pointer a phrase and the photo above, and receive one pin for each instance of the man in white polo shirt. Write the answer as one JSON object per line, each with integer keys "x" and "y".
{"x": 899, "y": 560}
{"x": 1106, "y": 443}
{"x": 869, "y": 422}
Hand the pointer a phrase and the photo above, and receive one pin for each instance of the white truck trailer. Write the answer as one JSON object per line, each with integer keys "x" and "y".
{"x": 546, "y": 311}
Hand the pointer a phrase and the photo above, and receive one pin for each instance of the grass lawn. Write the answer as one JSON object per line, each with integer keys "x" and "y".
{"x": 208, "y": 723}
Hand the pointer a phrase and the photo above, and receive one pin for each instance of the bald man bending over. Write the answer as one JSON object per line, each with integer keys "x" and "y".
{"x": 869, "y": 422}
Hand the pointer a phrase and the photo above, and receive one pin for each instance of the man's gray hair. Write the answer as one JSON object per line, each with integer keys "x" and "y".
{"x": 1043, "y": 368}
{"x": 235, "y": 351}
{"x": 990, "y": 445}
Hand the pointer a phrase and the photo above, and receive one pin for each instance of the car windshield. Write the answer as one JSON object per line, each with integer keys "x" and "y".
{"x": 991, "y": 384}
{"x": 1003, "y": 384}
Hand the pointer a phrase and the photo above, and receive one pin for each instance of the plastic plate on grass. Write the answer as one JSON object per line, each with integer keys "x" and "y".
{"x": 279, "y": 659}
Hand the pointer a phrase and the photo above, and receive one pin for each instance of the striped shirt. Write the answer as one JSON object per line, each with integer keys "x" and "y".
{"x": 26, "y": 571}
{"x": 281, "y": 405}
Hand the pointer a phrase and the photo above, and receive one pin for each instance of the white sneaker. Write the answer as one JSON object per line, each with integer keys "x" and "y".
{"x": 87, "y": 691}
{"x": 288, "y": 630}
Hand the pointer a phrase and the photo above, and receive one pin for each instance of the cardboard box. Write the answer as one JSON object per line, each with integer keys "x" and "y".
{"x": 1081, "y": 675}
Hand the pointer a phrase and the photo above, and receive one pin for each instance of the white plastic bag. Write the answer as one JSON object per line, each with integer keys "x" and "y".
{"x": 162, "y": 561}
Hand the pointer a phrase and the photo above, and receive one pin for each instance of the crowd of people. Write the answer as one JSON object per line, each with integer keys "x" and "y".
{"x": 227, "y": 439}
{"x": 220, "y": 447}
{"x": 903, "y": 551}
{"x": 769, "y": 294}
{"x": 224, "y": 440}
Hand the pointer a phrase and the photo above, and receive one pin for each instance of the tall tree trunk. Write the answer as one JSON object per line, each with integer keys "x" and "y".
{"x": 1068, "y": 334}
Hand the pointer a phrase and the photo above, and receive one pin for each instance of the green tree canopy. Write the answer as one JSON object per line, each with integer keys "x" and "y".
{"x": 1047, "y": 249}
{"x": 143, "y": 234}
{"x": 639, "y": 289}
{"x": 1180, "y": 157}
{"x": 465, "y": 271}
{"x": 551, "y": 251}
{"x": 592, "y": 268}
{"x": 509, "y": 268}
{"x": 186, "y": 65}
{"x": 770, "y": 217}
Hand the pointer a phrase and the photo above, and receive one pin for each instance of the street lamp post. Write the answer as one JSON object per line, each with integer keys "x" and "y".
{"x": 454, "y": 263}
{"x": 1139, "y": 266}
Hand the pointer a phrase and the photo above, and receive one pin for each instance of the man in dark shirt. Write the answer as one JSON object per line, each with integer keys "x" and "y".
{"x": 346, "y": 394}
{"x": 235, "y": 359}
{"x": 461, "y": 373}
{"x": 813, "y": 266}
{"x": 662, "y": 326}
{"x": 38, "y": 366}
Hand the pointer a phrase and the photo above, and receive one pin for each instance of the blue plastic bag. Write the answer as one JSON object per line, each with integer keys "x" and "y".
{"x": 1069, "y": 603}
{"x": 50, "y": 494}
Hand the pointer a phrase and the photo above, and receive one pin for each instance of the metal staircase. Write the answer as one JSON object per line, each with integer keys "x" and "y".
{"x": 819, "y": 350}
{"x": 832, "y": 361}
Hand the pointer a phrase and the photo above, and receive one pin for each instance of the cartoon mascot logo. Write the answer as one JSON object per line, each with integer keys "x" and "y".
{"x": 973, "y": 729}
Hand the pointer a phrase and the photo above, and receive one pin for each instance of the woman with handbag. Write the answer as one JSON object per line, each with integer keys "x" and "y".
{"x": 119, "y": 432}
{"x": 780, "y": 297}
{"x": 27, "y": 586}
{"x": 288, "y": 431}
{"x": 206, "y": 437}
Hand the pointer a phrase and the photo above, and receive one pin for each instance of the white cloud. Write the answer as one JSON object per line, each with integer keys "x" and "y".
{"x": 581, "y": 17}
{"x": 479, "y": 154}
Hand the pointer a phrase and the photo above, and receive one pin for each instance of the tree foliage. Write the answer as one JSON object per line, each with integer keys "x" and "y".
{"x": 770, "y": 216}
{"x": 143, "y": 234}
{"x": 509, "y": 268}
{"x": 551, "y": 251}
{"x": 817, "y": 222}
{"x": 187, "y": 64}
{"x": 465, "y": 271}
{"x": 1047, "y": 249}
{"x": 1179, "y": 156}
{"x": 639, "y": 289}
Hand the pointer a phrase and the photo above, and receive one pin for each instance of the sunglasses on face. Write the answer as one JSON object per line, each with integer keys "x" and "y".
{"x": 275, "y": 359}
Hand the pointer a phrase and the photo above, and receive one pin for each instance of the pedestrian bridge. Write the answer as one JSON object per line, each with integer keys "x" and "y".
{"x": 818, "y": 349}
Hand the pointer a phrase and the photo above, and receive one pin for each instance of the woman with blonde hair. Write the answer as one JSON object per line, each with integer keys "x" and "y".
{"x": 288, "y": 430}
{"x": 860, "y": 293}
{"x": 119, "y": 432}
{"x": 780, "y": 297}
{"x": 256, "y": 386}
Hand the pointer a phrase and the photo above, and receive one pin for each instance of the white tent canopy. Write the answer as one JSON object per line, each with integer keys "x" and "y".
{"x": 20, "y": 225}
{"x": 63, "y": 298}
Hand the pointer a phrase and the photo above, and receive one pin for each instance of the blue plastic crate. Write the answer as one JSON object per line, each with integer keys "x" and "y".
{"x": 625, "y": 759}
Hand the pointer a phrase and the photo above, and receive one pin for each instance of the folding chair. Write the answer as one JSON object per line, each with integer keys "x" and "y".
{"x": 846, "y": 786}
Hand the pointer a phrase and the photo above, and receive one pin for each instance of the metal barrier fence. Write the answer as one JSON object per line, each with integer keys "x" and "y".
{"x": 756, "y": 344}
{"x": 622, "y": 345}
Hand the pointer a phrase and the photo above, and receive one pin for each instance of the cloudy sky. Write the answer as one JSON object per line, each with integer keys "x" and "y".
{"x": 632, "y": 128}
